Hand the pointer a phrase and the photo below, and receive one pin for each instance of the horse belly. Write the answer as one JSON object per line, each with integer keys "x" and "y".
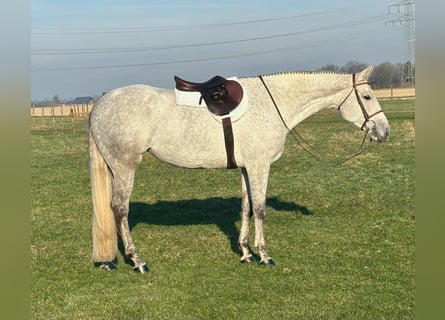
{"x": 189, "y": 144}
{"x": 189, "y": 159}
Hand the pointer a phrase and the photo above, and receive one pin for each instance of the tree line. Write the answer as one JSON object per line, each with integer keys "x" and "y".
{"x": 385, "y": 75}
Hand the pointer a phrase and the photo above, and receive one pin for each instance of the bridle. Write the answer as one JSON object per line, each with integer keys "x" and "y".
{"x": 366, "y": 115}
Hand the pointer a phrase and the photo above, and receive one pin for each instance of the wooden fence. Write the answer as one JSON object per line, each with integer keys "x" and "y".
{"x": 63, "y": 110}
{"x": 401, "y": 93}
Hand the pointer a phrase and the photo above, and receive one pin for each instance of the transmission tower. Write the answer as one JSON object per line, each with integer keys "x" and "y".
{"x": 403, "y": 12}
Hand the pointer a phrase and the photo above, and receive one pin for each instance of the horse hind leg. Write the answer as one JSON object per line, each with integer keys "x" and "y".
{"x": 243, "y": 241}
{"x": 122, "y": 187}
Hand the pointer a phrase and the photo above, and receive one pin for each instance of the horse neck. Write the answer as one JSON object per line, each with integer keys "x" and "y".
{"x": 300, "y": 95}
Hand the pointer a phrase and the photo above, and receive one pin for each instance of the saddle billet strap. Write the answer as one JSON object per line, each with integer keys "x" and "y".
{"x": 228, "y": 140}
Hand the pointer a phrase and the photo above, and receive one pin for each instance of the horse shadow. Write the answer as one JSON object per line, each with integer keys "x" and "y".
{"x": 222, "y": 212}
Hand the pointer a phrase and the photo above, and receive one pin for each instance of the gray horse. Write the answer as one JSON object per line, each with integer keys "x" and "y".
{"x": 130, "y": 121}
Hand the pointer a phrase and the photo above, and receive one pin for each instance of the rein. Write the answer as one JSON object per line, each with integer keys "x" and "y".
{"x": 298, "y": 137}
{"x": 293, "y": 132}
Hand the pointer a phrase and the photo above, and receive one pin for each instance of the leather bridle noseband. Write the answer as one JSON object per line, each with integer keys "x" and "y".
{"x": 359, "y": 100}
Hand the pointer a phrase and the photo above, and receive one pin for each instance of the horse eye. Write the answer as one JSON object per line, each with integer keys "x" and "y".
{"x": 367, "y": 97}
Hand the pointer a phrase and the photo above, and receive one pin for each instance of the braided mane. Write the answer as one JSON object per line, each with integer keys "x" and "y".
{"x": 302, "y": 72}
{"x": 297, "y": 72}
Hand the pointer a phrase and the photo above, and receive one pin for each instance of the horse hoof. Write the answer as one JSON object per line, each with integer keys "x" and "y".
{"x": 269, "y": 262}
{"x": 109, "y": 266}
{"x": 248, "y": 259}
{"x": 142, "y": 269}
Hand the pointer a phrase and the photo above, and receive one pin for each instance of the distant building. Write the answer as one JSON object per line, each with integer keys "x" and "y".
{"x": 82, "y": 100}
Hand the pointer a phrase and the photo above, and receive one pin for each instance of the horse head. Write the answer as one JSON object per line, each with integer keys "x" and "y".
{"x": 362, "y": 108}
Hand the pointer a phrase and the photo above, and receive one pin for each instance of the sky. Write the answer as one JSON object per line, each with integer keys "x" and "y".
{"x": 85, "y": 48}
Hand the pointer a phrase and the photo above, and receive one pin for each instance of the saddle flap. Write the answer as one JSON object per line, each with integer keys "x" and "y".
{"x": 223, "y": 99}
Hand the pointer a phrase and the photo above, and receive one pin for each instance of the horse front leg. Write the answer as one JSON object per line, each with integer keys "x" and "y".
{"x": 260, "y": 243}
{"x": 256, "y": 185}
{"x": 122, "y": 187}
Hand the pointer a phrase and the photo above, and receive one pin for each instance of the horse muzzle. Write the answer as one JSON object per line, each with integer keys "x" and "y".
{"x": 378, "y": 130}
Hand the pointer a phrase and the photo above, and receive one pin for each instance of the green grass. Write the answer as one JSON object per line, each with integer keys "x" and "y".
{"x": 342, "y": 236}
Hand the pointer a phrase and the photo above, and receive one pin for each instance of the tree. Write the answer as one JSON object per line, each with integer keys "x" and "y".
{"x": 55, "y": 99}
{"x": 353, "y": 67}
{"x": 382, "y": 76}
{"x": 385, "y": 75}
{"x": 330, "y": 68}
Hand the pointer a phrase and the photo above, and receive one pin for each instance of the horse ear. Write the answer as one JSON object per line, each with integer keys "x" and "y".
{"x": 364, "y": 75}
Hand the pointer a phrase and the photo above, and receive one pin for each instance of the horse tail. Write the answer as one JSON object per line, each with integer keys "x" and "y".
{"x": 104, "y": 224}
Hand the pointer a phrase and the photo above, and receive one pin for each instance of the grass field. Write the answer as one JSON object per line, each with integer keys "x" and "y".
{"x": 342, "y": 236}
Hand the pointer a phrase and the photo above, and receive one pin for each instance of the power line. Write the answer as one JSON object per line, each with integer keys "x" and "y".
{"x": 182, "y": 61}
{"x": 166, "y": 62}
{"x": 90, "y": 30}
{"x": 136, "y": 29}
{"x": 169, "y": 47}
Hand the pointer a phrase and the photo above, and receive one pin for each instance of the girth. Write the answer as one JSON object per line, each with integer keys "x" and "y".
{"x": 221, "y": 97}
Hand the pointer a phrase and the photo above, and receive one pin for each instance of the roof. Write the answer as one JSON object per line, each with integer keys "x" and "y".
{"x": 82, "y": 100}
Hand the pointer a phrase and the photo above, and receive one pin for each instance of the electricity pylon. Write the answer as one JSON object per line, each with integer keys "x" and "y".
{"x": 404, "y": 14}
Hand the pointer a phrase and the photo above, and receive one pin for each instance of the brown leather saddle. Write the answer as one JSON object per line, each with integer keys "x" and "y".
{"x": 221, "y": 97}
